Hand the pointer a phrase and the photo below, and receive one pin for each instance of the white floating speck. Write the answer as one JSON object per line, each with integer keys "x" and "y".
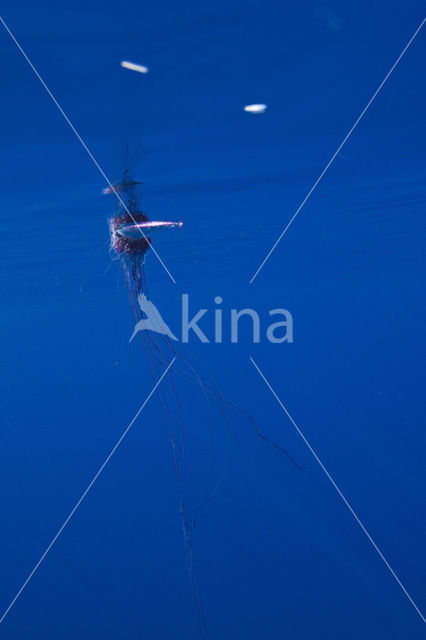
{"x": 255, "y": 108}
{"x": 134, "y": 67}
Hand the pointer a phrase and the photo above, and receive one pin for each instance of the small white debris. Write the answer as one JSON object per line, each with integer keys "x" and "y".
{"x": 255, "y": 108}
{"x": 134, "y": 67}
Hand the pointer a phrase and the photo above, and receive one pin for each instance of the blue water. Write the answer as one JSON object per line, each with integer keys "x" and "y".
{"x": 277, "y": 553}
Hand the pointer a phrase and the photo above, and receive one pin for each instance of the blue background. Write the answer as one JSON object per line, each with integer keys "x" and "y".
{"x": 277, "y": 553}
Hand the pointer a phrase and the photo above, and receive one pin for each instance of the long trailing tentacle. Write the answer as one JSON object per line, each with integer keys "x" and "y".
{"x": 158, "y": 349}
{"x": 136, "y": 285}
{"x": 214, "y": 390}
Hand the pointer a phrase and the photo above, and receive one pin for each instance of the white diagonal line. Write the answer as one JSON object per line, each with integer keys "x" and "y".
{"x": 338, "y": 490}
{"x": 83, "y": 495}
{"x": 345, "y": 139}
{"x": 101, "y": 171}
